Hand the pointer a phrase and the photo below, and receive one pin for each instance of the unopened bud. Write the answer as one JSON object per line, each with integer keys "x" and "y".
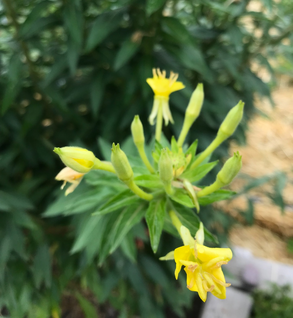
{"x": 165, "y": 167}
{"x": 195, "y": 103}
{"x": 230, "y": 169}
{"x": 121, "y": 164}
{"x": 78, "y": 159}
{"x": 137, "y": 131}
{"x": 231, "y": 121}
{"x": 199, "y": 236}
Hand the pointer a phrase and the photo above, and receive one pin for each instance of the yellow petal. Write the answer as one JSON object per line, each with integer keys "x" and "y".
{"x": 177, "y": 86}
{"x": 181, "y": 253}
{"x": 206, "y": 254}
{"x": 190, "y": 280}
{"x": 201, "y": 291}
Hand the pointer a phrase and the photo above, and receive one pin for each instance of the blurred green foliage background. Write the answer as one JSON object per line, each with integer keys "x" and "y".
{"x": 73, "y": 73}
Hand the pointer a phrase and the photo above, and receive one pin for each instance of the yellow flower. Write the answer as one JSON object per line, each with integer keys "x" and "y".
{"x": 201, "y": 264}
{"x": 71, "y": 176}
{"x": 162, "y": 88}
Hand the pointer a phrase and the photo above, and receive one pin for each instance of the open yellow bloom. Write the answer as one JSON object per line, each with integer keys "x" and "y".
{"x": 71, "y": 176}
{"x": 162, "y": 88}
{"x": 201, "y": 264}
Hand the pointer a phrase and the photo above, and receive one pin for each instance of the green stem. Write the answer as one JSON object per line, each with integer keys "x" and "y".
{"x": 105, "y": 165}
{"x": 210, "y": 189}
{"x": 144, "y": 158}
{"x": 175, "y": 221}
{"x": 159, "y": 122}
{"x": 185, "y": 129}
{"x": 214, "y": 144}
{"x": 134, "y": 188}
{"x": 168, "y": 188}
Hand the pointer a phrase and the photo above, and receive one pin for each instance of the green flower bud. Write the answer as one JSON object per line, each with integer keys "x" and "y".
{"x": 165, "y": 167}
{"x": 195, "y": 103}
{"x": 231, "y": 121}
{"x": 78, "y": 159}
{"x": 192, "y": 112}
{"x": 137, "y": 131}
{"x": 230, "y": 169}
{"x": 121, "y": 164}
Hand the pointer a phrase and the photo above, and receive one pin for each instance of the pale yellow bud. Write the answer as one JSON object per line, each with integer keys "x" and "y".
{"x": 137, "y": 131}
{"x": 78, "y": 159}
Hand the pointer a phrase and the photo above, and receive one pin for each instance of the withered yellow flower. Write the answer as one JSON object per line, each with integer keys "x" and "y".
{"x": 69, "y": 175}
{"x": 162, "y": 88}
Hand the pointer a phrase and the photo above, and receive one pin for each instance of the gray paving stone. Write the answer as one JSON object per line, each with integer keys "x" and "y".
{"x": 236, "y": 305}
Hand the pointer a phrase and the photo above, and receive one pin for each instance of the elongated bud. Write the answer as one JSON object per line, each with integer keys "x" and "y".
{"x": 121, "y": 164}
{"x": 199, "y": 236}
{"x": 78, "y": 159}
{"x": 192, "y": 112}
{"x": 165, "y": 167}
{"x": 230, "y": 169}
{"x": 231, "y": 121}
{"x": 137, "y": 131}
{"x": 195, "y": 103}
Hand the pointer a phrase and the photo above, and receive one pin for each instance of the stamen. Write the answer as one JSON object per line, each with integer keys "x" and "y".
{"x": 154, "y": 73}
{"x": 214, "y": 261}
{"x": 219, "y": 264}
{"x": 63, "y": 185}
{"x": 218, "y": 281}
{"x": 173, "y": 77}
{"x": 206, "y": 288}
{"x": 190, "y": 265}
{"x": 195, "y": 250}
{"x": 160, "y": 73}
{"x": 211, "y": 283}
{"x": 191, "y": 283}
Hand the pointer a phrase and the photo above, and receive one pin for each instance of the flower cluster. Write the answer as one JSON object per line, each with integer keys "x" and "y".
{"x": 170, "y": 179}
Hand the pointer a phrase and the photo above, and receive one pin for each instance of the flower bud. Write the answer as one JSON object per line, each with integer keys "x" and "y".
{"x": 137, "y": 131}
{"x": 165, "y": 167}
{"x": 195, "y": 103}
{"x": 231, "y": 121}
{"x": 78, "y": 159}
{"x": 199, "y": 236}
{"x": 230, "y": 169}
{"x": 121, "y": 164}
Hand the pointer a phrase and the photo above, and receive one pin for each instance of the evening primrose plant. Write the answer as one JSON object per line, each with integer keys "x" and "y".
{"x": 161, "y": 184}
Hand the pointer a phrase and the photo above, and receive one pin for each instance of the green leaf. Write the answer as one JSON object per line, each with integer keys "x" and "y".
{"x": 73, "y": 18}
{"x": 155, "y": 217}
{"x": 218, "y": 195}
{"x": 102, "y": 27}
{"x": 105, "y": 148}
{"x": 199, "y": 172}
{"x": 97, "y": 93}
{"x": 128, "y": 247}
{"x": 127, "y": 50}
{"x": 121, "y": 200}
{"x": 174, "y": 146}
{"x": 72, "y": 56}
{"x": 192, "y": 150}
{"x": 87, "y": 307}
{"x": 182, "y": 197}
{"x": 153, "y": 5}
{"x": 55, "y": 70}
{"x": 152, "y": 181}
{"x": 174, "y": 27}
{"x": 42, "y": 266}
{"x": 124, "y": 223}
{"x": 192, "y": 58}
